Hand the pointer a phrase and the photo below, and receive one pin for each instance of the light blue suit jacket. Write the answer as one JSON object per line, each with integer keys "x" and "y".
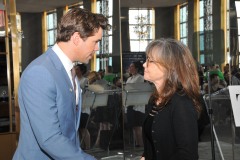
{"x": 49, "y": 120}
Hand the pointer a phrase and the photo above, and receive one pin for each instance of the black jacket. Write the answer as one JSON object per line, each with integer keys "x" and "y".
{"x": 174, "y": 131}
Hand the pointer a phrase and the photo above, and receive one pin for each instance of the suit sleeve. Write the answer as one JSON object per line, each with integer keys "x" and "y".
{"x": 38, "y": 91}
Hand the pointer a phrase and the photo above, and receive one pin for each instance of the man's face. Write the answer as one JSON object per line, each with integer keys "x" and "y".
{"x": 86, "y": 48}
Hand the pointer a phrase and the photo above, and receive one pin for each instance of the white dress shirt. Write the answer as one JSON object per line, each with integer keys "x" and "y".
{"x": 68, "y": 65}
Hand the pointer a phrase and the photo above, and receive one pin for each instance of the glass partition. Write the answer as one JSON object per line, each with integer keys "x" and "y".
{"x": 103, "y": 98}
{"x": 223, "y": 134}
{"x": 112, "y": 134}
{"x": 220, "y": 138}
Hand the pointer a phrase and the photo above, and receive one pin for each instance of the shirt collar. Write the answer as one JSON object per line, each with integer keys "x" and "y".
{"x": 67, "y": 63}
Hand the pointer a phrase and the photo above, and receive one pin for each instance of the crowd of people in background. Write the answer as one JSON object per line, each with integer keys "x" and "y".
{"x": 217, "y": 78}
{"x": 95, "y": 122}
{"x": 208, "y": 75}
{"x": 103, "y": 116}
{"x": 211, "y": 79}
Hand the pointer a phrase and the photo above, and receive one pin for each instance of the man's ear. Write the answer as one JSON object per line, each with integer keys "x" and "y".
{"x": 76, "y": 38}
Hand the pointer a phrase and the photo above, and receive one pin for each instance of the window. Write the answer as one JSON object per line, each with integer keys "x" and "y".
{"x": 51, "y": 27}
{"x": 206, "y": 36}
{"x": 184, "y": 23}
{"x": 238, "y": 24}
{"x": 228, "y": 32}
{"x": 141, "y": 28}
{"x": 104, "y": 55}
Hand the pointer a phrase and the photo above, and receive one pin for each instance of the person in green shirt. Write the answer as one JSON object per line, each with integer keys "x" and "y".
{"x": 109, "y": 76}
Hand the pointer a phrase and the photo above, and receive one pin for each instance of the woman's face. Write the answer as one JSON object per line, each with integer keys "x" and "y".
{"x": 132, "y": 69}
{"x": 154, "y": 73}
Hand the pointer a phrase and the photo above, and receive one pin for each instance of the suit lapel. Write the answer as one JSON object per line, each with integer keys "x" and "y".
{"x": 59, "y": 66}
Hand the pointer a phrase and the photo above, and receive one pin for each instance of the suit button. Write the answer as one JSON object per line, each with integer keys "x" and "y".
{"x": 157, "y": 151}
{"x": 152, "y": 131}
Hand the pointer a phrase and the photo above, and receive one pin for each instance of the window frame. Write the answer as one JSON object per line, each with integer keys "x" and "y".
{"x": 51, "y": 28}
{"x": 183, "y": 22}
{"x": 141, "y": 42}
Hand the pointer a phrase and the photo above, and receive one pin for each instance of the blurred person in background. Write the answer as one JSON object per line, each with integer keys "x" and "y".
{"x": 136, "y": 114}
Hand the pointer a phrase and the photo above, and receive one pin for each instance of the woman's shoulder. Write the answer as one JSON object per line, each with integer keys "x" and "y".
{"x": 181, "y": 103}
{"x": 180, "y": 96}
{"x": 180, "y": 100}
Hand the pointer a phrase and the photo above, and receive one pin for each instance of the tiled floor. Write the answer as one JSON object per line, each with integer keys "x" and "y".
{"x": 205, "y": 153}
{"x": 223, "y": 149}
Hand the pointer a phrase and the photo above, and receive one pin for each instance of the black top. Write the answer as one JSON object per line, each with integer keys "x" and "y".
{"x": 147, "y": 130}
{"x": 171, "y": 133}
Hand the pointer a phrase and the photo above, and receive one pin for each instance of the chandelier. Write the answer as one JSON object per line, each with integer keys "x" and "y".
{"x": 142, "y": 27}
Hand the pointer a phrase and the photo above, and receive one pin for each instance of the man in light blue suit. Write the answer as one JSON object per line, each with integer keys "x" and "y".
{"x": 49, "y": 106}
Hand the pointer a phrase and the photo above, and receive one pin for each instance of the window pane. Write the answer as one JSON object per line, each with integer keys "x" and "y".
{"x": 51, "y": 27}
{"x": 238, "y": 44}
{"x": 143, "y": 12}
{"x": 201, "y": 14}
{"x": 181, "y": 30}
{"x": 145, "y": 32}
{"x": 149, "y": 15}
{"x": 208, "y": 25}
{"x": 50, "y": 21}
{"x": 201, "y": 42}
{"x": 183, "y": 23}
{"x": 143, "y": 45}
{"x": 110, "y": 44}
{"x": 150, "y": 32}
{"x": 137, "y": 46}
{"x": 183, "y": 17}
{"x": 51, "y": 37}
{"x": 110, "y": 61}
{"x": 110, "y": 5}
{"x": 141, "y": 28}
{"x": 105, "y": 46}
{"x": 97, "y": 64}
{"x": 184, "y": 41}
{"x": 133, "y": 34}
{"x": 238, "y": 27}
{"x": 133, "y": 14}
{"x": 237, "y": 8}
{"x": 98, "y": 6}
{"x": 184, "y": 30}
{"x": 208, "y": 7}
{"x": 134, "y": 46}
{"x": 202, "y": 61}
{"x": 201, "y": 24}
{"x": 181, "y": 14}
